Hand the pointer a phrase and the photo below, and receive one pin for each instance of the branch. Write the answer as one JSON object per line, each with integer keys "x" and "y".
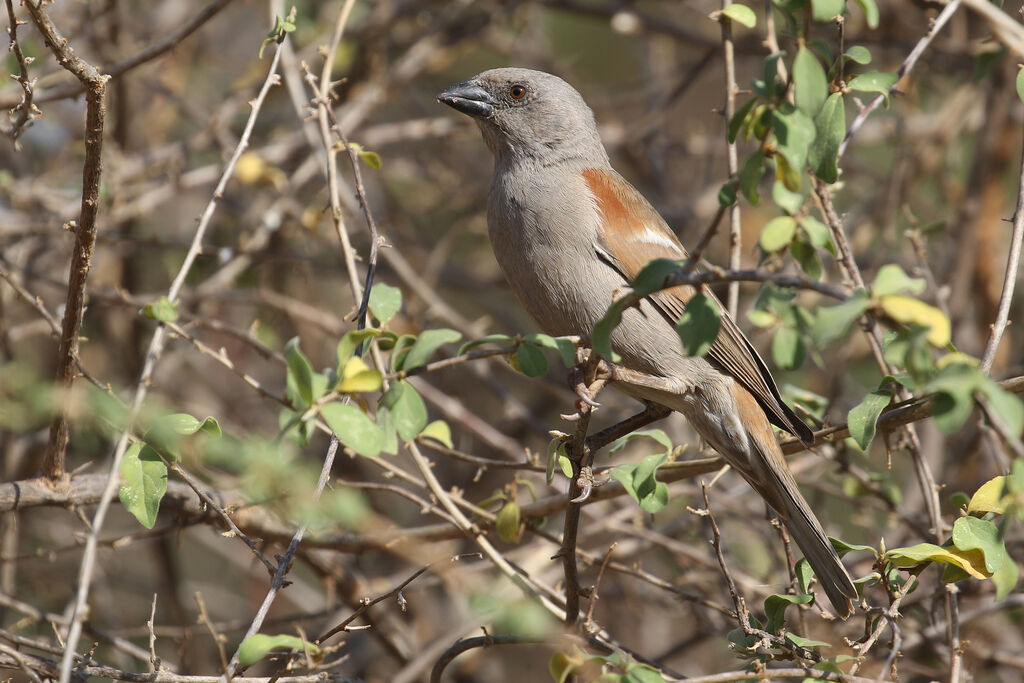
{"x": 147, "y": 54}
{"x": 156, "y": 347}
{"x": 905, "y": 68}
{"x": 94, "y": 84}
{"x": 1009, "y": 279}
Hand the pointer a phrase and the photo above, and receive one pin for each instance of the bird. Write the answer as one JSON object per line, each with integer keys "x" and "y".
{"x": 570, "y": 235}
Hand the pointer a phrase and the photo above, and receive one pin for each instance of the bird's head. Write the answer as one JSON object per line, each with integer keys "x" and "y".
{"x": 526, "y": 113}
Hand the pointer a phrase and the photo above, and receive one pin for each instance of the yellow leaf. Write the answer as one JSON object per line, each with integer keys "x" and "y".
{"x": 439, "y": 431}
{"x": 357, "y": 376}
{"x": 906, "y": 309}
{"x": 990, "y": 497}
{"x": 250, "y": 168}
{"x": 957, "y": 357}
{"x": 971, "y": 561}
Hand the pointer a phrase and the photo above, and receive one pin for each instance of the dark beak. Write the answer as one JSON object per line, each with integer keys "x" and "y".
{"x": 469, "y": 98}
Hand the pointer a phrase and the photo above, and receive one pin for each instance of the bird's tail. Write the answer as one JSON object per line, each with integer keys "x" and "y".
{"x": 805, "y": 529}
{"x": 771, "y": 477}
{"x": 749, "y": 445}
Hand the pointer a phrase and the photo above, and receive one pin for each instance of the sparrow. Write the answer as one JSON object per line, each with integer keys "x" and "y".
{"x": 570, "y": 234}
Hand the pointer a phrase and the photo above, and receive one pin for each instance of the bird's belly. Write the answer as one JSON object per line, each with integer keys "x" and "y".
{"x": 570, "y": 299}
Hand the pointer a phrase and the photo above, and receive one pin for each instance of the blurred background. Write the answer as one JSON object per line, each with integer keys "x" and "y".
{"x": 928, "y": 183}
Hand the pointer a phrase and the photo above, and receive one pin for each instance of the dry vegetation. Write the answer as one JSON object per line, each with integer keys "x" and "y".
{"x": 174, "y": 209}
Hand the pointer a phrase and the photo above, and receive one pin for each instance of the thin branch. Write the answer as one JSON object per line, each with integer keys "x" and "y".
{"x": 466, "y": 644}
{"x": 153, "y": 354}
{"x": 147, "y": 54}
{"x": 94, "y": 84}
{"x": 735, "y": 228}
{"x": 284, "y": 564}
{"x": 1009, "y": 279}
{"x": 367, "y": 603}
{"x": 906, "y": 67}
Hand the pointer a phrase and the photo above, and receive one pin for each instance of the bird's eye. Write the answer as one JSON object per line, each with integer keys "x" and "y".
{"x": 517, "y": 91}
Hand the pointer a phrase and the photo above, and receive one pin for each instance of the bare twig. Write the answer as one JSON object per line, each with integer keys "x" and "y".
{"x": 1009, "y": 279}
{"x": 147, "y": 54}
{"x": 156, "y": 347}
{"x": 465, "y": 644}
{"x": 906, "y": 67}
{"x": 85, "y": 231}
{"x": 735, "y": 228}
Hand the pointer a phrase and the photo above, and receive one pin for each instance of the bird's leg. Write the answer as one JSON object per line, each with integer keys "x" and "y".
{"x": 586, "y": 378}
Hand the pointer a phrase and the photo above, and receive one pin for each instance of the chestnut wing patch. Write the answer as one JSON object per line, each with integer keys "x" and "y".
{"x": 631, "y": 235}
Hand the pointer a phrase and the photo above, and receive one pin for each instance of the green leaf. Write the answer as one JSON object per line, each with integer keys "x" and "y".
{"x": 908, "y": 310}
{"x": 818, "y": 233}
{"x": 385, "y": 301}
{"x": 300, "y": 372}
{"x": 439, "y": 431}
{"x": 790, "y": 202}
{"x": 778, "y": 233}
{"x": 163, "y": 309}
{"x": 1020, "y": 84}
{"x": 775, "y": 609}
{"x": 874, "y": 81}
{"x": 699, "y": 324}
{"x": 555, "y": 448}
{"x": 658, "y": 435}
{"x": 386, "y": 424}
{"x": 809, "y": 82}
{"x": 892, "y": 280}
{"x": 565, "y": 464}
{"x": 805, "y": 642}
{"x": 954, "y": 385}
{"x": 727, "y": 195}
{"x": 601, "y": 339}
{"x": 794, "y": 133}
{"x": 354, "y": 429}
{"x": 787, "y": 348}
{"x": 166, "y": 432}
{"x": 971, "y": 533}
{"x": 489, "y": 339}
{"x": 143, "y": 483}
{"x": 348, "y": 344}
{"x": 256, "y": 647}
{"x": 830, "y": 129}
{"x": 641, "y": 484}
{"x": 531, "y": 360}
{"x": 804, "y": 574}
{"x": 357, "y": 376}
{"x": 642, "y": 673}
{"x": 1006, "y": 406}
{"x": 565, "y": 347}
{"x": 827, "y": 10}
{"x": 870, "y": 10}
{"x": 1005, "y": 579}
{"x": 833, "y": 322}
{"x": 807, "y": 256}
{"x": 858, "y": 54}
{"x": 864, "y": 416}
{"x": 652, "y": 276}
{"x": 761, "y": 319}
{"x": 734, "y": 128}
{"x": 407, "y": 409}
{"x": 842, "y": 547}
{"x": 426, "y": 345}
{"x": 750, "y": 177}
{"x": 509, "y": 523}
{"x": 742, "y": 14}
